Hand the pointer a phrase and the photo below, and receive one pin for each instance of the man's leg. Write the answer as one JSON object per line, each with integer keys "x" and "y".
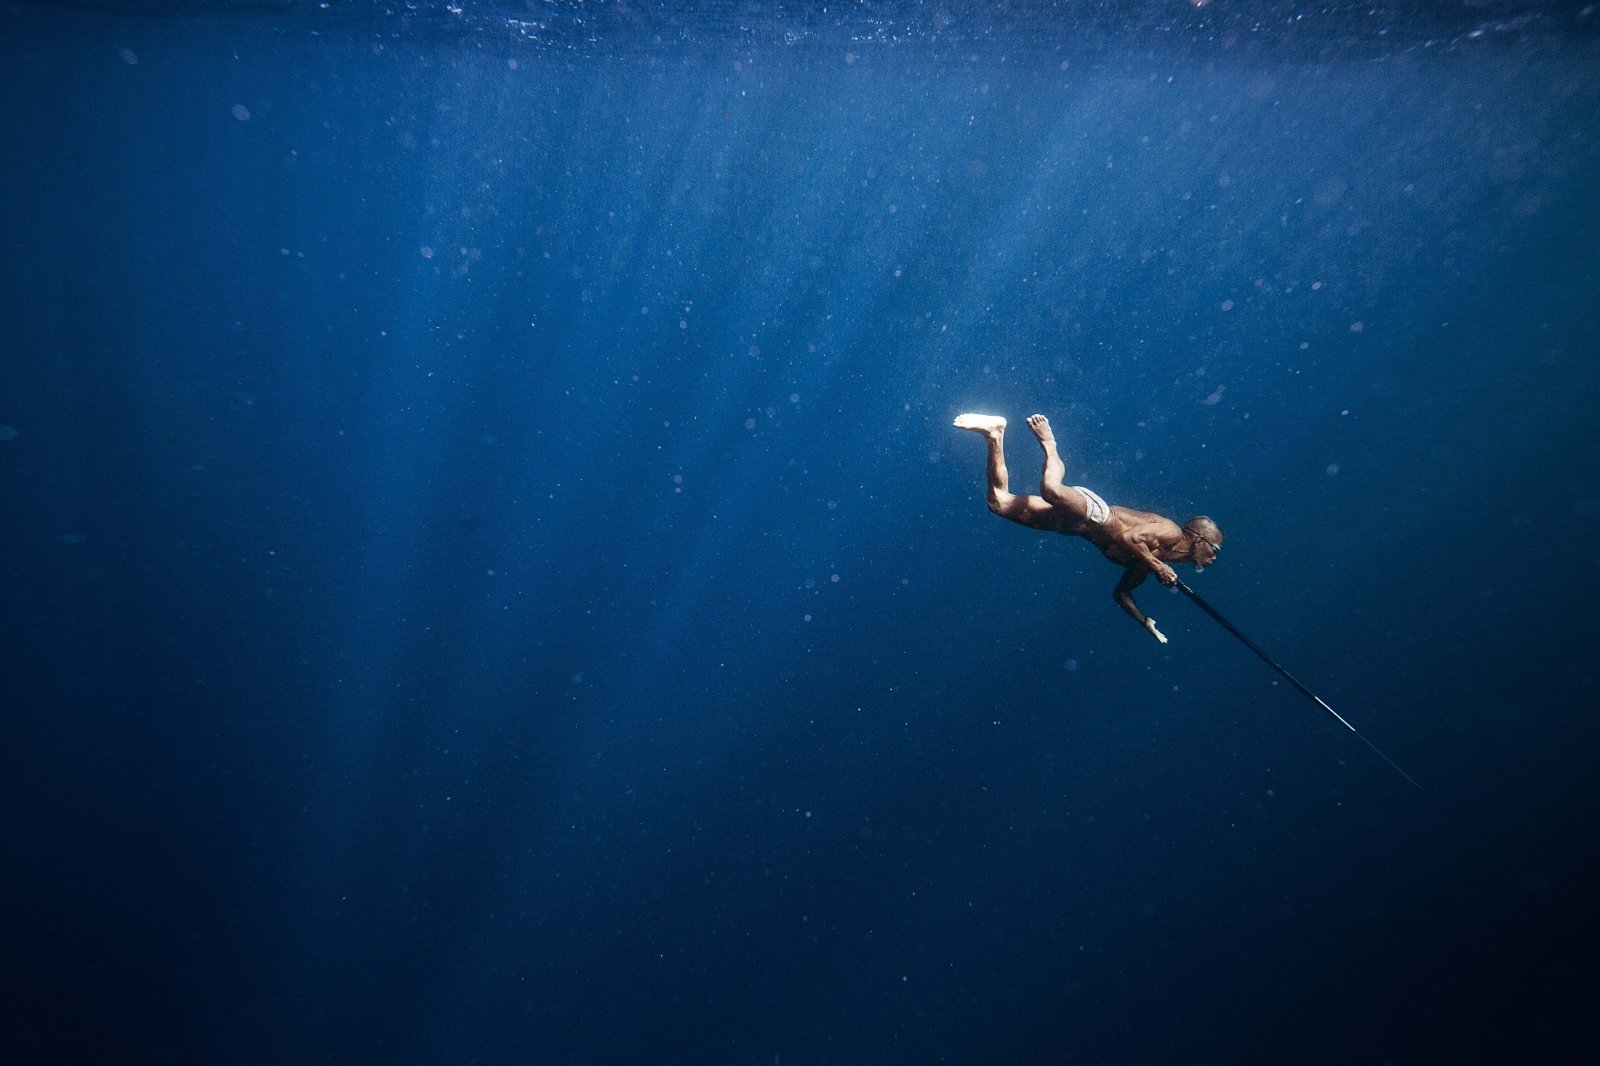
{"x": 1023, "y": 509}
{"x": 1051, "y": 486}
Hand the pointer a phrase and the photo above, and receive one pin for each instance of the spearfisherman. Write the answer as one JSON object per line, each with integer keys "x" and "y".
{"x": 1140, "y": 542}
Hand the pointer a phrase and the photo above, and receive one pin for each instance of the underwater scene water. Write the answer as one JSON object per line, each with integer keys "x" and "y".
{"x": 489, "y": 576}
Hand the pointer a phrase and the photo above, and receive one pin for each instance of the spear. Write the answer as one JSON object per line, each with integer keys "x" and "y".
{"x": 1270, "y": 661}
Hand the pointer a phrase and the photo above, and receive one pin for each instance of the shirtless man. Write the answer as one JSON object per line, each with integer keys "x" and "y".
{"x": 1141, "y": 542}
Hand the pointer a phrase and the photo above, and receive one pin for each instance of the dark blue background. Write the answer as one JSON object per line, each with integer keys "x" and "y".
{"x": 488, "y": 576}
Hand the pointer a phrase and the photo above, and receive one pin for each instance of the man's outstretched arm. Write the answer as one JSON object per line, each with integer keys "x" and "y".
{"x": 1132, "y": 578}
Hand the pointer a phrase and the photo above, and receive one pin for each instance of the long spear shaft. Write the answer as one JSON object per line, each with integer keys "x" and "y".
{"x": 1270, "y": 661}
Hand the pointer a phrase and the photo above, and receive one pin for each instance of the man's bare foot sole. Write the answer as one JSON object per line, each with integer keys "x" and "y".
{"x": 980, "y": 423}
{"x": 1041, "y": 428}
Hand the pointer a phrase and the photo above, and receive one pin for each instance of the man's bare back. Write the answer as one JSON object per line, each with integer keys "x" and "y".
{"x": 1140, "y": 542}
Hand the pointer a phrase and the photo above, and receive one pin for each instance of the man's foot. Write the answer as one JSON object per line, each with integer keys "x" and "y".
{"x": 1041, "y": 428}
{"x": 988, "y": 425}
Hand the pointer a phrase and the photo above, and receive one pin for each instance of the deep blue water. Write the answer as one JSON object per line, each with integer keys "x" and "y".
{"x": 488, "y": 575}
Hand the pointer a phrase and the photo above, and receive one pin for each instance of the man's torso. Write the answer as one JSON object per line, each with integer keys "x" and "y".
{"x": 1125, "y": 528}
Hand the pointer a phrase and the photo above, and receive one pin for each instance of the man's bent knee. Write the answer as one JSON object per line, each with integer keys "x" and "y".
{"x": 1059, "y": 496}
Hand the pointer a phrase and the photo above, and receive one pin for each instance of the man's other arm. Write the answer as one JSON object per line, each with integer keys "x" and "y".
{"x": 1132, "y": 578}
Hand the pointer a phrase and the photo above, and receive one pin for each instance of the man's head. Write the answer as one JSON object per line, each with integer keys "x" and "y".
{"x": 1205, "y": 540}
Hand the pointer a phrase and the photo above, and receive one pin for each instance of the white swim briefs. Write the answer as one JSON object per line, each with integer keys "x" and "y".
{"x": 1099, "y": 511}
